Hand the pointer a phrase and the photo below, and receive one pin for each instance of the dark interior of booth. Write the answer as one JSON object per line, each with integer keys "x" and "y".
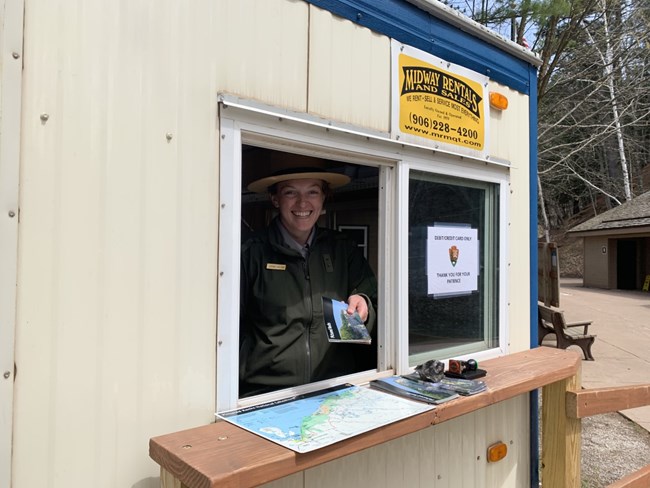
{"x": 353, "y": 208}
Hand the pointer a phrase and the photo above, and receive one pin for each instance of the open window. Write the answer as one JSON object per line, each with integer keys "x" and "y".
{"x": 284, "y": 341}
{"x": 413, "y": 212}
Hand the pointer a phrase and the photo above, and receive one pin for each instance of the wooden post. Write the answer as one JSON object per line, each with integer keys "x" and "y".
{"x": 168, "y": 480}
{"x": 548, "y": 274}
{"x": 561, "y": 442}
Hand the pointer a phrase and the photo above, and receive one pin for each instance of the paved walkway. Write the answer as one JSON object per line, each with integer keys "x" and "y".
{"x": 621, "y": 320}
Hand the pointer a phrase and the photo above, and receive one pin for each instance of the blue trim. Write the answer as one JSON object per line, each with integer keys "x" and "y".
{"x": 534, "y": 438}
{"x": 534, "y": 401}
{"x": 532, "y": 189}
{"x": 410, "y": 25}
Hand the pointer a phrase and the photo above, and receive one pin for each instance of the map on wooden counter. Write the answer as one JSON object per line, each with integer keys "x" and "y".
{"x": 308, "y": 422}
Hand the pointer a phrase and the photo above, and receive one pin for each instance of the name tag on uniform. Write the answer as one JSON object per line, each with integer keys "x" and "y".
{"x": 277, "y": 267}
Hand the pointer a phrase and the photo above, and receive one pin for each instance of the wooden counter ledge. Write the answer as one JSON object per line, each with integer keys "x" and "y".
{"x": 222, "y": 455}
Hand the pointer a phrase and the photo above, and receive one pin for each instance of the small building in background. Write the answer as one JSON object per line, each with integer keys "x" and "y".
{"x": 616, "y": 246}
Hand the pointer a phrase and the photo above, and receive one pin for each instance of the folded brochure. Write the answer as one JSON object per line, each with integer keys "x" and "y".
{"x": 341, "y": 326}
{"x": 457, "y": 385}
{"x": 414, "y": 389}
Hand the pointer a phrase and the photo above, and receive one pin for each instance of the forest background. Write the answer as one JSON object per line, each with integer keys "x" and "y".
{"x": 594, "y": 104}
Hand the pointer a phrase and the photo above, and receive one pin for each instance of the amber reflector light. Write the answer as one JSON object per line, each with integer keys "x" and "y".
{"x": 496, "y": 452}
{"x": 498, "y": 101}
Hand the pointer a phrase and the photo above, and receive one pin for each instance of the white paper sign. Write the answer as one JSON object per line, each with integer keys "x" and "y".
{"x": 452, "y": 260}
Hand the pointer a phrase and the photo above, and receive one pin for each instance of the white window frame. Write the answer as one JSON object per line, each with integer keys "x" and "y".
{"x": 459, "y": 352}
{"x": 245, "y": 122}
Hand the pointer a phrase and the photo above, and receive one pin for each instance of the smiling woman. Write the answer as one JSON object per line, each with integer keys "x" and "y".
{"x": 286, "y": 270}
{"x": 300, "y": 203}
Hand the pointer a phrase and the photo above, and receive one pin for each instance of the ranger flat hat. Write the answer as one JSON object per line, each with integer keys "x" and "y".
{"x": 335, "y": 180}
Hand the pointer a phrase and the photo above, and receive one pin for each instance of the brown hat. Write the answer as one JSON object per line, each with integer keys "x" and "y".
{"x": 334, "y": 179}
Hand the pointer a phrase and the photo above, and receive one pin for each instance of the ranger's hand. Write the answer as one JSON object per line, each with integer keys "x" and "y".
{"x": 356, "y": 303}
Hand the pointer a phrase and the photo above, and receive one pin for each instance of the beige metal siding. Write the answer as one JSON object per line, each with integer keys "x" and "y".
{"x": 116, "y": 298}
{"x": 509, "y": 129}
{"x": 116, "y": 306}
{"x": 509, "y": 141}
{"x": 261, "y": 50}
{"x": 348, "y": 85}
{"x": 11, "y": 40}
{"x": 447, "y": 455}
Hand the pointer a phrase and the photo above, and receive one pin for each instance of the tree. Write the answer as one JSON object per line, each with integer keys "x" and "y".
{"x": 594, "y": 108}
{"x": 593, "y": 96}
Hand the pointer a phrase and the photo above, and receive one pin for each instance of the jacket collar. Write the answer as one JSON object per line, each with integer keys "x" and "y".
{"x": 280, "y": 238}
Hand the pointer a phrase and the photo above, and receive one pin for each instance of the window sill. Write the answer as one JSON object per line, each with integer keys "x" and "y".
{"x": 223, "y": 455}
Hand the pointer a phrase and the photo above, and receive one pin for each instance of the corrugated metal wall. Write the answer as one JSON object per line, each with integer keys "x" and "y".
{"x": 343, "y": 83}
{"x": 117, "y": 259}
{"x": 509, "y": 140}
{"x": 117, "y": 237}
{"x": 11, "y": 41}
{"x": 448, "y": 455}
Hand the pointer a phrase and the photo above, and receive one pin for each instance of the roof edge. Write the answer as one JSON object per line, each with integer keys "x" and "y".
{"x": 461, "y": 21}
{"x": 640, "y": 231}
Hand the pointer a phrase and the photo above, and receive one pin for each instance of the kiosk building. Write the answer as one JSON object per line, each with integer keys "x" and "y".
{"x": 129, "y": 131}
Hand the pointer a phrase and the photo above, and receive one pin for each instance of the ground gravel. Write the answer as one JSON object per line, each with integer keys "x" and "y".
{"x": 612, "y": 447}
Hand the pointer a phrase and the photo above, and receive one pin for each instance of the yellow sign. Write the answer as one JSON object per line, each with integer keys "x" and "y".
{"x": 438, "y": 104}
{"x": 646, "y": 284}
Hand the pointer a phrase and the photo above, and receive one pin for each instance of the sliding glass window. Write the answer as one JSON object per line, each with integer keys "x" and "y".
{"x": 453, "y": 266}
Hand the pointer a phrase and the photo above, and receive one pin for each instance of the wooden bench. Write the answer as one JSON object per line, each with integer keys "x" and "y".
{"x": 551, "y": 321}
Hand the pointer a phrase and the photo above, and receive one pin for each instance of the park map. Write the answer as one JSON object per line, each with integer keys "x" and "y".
{"x": 308, "y": 422}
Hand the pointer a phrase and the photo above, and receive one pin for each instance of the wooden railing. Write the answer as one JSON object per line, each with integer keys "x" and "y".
{"x": 585, "y": 403}
{"x": 222, "y": 455}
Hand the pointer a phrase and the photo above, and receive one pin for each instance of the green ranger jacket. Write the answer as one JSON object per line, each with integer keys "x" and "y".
{"x": 283, "y": 341}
